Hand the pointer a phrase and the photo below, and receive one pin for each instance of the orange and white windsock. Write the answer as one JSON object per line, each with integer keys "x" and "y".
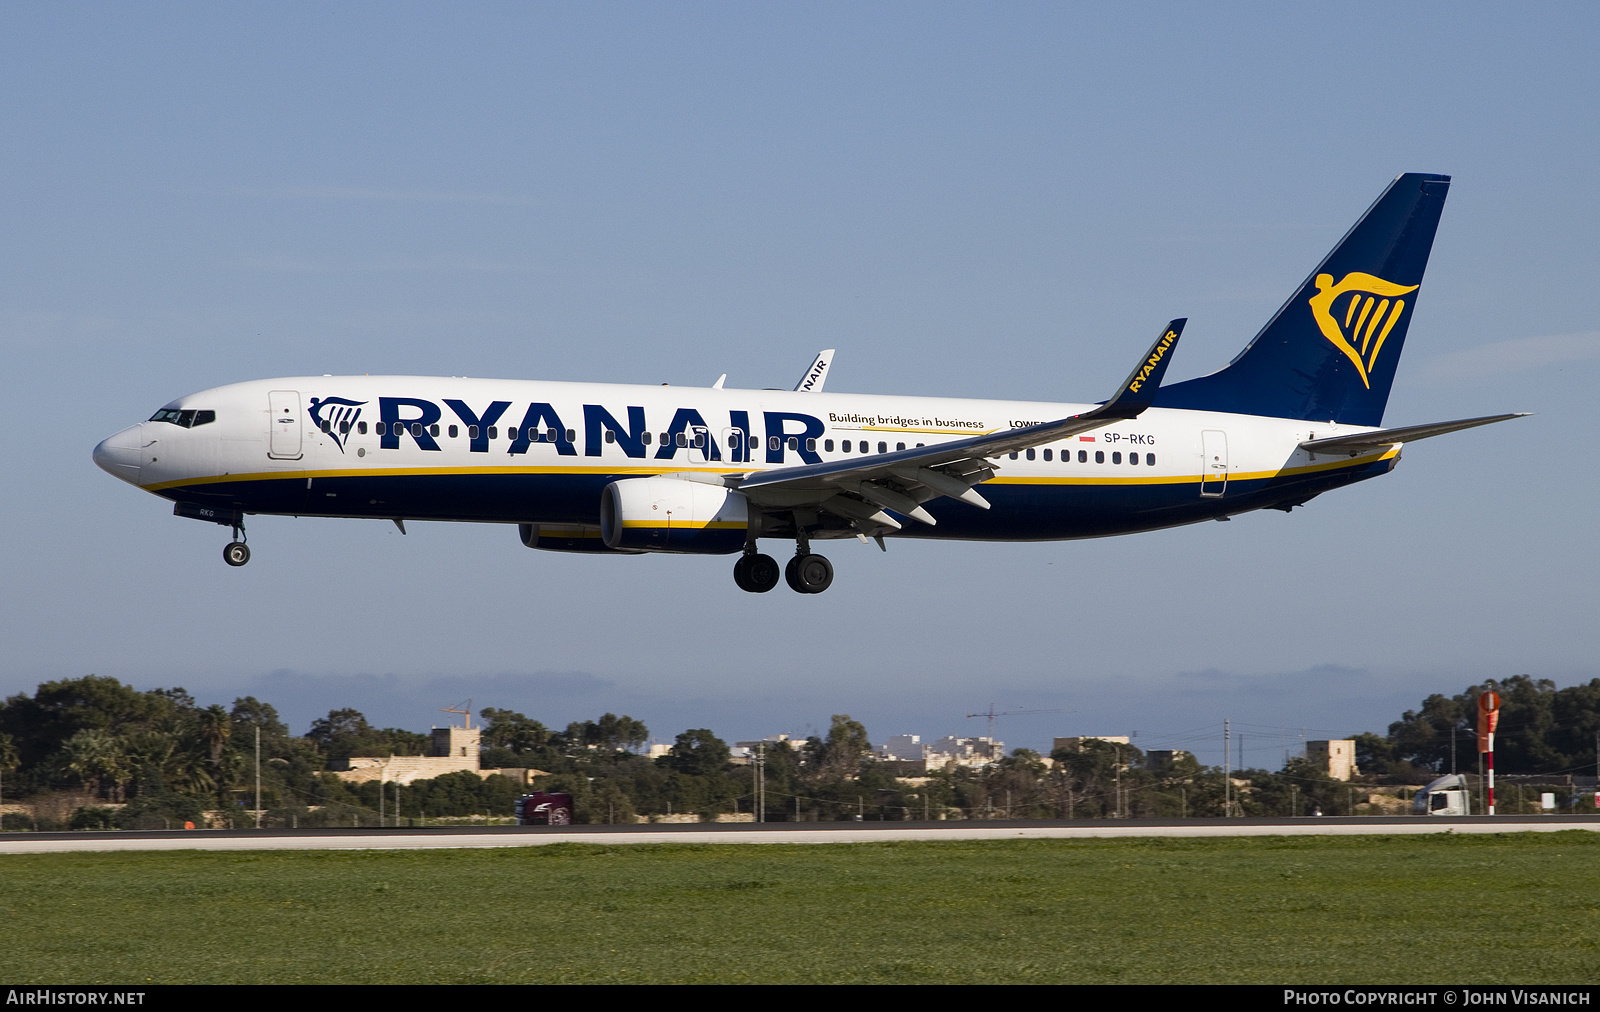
{"x": 1488, "y": 719}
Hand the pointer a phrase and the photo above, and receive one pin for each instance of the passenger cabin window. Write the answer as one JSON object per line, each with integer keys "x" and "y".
{"x": 1116, "y": 458}
{"x": 344, "y": 429}
{"x": 433, "y": 430}
{"x": 611, "y": 436}
{"x": 645, "y": 439}
{"x": 361, "y": 428}
{"x": 1083, "y": 456}
{"x": 472, "y": 432}
{"x": 1099, "y": 456}
{"x": 454, "y": 432}
{"x": 1030, "y": 453}
{"x": 883, "y": 447}
{"x": 1149, "y": 460}
{"x": 1047, "y": 455}
{"x": 827, "y": 445}
{"x": 811, "y": 446}
{"x": 899, "y": 446}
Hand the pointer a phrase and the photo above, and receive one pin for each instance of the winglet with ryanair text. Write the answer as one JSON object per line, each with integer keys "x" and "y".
{"x": 1138, "y": 391}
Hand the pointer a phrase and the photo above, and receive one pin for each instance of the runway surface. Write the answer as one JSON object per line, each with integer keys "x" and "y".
{"x": 771, "y": 832}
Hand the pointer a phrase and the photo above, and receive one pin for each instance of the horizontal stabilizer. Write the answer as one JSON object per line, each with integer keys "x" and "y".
{"x": 1388, "y": 437}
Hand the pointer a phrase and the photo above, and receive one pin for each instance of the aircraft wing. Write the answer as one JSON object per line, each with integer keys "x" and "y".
{"x": 1359, "y": 441}
{"x": 862, "y": 488}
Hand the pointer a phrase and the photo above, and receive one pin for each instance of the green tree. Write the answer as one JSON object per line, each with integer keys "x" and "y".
{"x": 97, "y": 760}
{"x": 697, "y": 752}
{"x": 840, "y": 756}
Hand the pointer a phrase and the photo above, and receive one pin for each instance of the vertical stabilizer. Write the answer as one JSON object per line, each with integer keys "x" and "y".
{"x": 1330, "y": 353}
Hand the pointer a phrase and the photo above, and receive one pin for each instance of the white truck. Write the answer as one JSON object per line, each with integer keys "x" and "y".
{"x": 1448, "y": 795}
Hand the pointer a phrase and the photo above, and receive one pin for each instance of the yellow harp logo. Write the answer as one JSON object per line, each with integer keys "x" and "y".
{"x": 1359, "y": 326}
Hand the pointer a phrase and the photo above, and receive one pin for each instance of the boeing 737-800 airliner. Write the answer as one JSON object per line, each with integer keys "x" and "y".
{"x": 587, "y": 467}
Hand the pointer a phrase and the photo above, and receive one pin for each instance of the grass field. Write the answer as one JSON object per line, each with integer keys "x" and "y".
{"x": 1439, "y": 909}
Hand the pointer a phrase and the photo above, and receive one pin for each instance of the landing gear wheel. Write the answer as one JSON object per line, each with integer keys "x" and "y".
{"x": 756, "y": 573}
{"x": 236, "y": 553}
{"x": 809, "y": 574}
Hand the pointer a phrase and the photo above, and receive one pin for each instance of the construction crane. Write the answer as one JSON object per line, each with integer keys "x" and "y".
{"x": 992, "y": 713}
{"x": 467, "y": 713}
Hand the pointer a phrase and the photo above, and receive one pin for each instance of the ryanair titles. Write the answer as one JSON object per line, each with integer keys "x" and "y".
{"x": 1154, "y": 360}
{"x": 514, "y": 429}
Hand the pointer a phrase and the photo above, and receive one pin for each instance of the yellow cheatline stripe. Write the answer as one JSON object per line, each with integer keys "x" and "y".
{"x": 391, "y": 472}
{"x": 1189, "y": 479}
{"x": 1096, "y": 479}
{"x": 722, "y": 525}
{"x": 936, "y": 432}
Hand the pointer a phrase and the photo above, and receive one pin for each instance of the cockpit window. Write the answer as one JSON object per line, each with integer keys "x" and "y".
{"x": 187, "y": 418}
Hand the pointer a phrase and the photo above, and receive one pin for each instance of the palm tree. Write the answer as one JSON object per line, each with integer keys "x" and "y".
{"x": 95, "y": 757}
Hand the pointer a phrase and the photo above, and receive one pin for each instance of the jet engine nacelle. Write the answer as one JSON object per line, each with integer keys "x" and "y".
{"x": 673, "y": 515}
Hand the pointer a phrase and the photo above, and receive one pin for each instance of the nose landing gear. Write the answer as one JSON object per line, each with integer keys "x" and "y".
{"x": 236, "y": 552}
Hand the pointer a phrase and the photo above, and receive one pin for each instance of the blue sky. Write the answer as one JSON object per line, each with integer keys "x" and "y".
{"x": 964, "y": 201}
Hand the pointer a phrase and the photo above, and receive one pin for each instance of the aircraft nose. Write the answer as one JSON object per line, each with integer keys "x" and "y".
{"x": 119, "y": 455}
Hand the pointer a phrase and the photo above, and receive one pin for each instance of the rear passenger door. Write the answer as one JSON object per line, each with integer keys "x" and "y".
{"x": 1213, "y": 463}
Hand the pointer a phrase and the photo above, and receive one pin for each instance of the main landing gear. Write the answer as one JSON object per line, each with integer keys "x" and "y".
{"x": 755, "y": 573}
{"x": 805, "y": 573}
{"x": 809, "y": 574}
{"x": 236, "y": 552}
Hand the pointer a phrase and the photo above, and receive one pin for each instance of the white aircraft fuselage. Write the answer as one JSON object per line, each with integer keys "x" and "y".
{"x": 609, "y": 468}
{"x": 1163, "y": 468}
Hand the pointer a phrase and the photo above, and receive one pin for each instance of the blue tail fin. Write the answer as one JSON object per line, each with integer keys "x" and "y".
{"x": 1330, "y": 353}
